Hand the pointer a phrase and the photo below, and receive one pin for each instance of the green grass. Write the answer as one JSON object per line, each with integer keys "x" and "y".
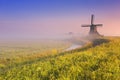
{"x": 15, "y": 53}
{"x": 92, "y": 62}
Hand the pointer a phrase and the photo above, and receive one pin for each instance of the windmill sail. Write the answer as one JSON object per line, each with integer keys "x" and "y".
{"x": 92, "y": 18}
{"x": 93, "y": 27}
{"x": 85, "y": 25}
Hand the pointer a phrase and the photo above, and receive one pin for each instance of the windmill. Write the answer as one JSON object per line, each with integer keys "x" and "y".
{"x": 93, "y": 27}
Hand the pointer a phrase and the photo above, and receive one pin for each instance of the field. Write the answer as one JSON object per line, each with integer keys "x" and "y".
{"x": 98, "y": 60}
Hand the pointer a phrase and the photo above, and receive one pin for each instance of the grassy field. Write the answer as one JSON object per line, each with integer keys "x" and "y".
{"x": 98, "y": 60}
{"x": 17, "y": 53}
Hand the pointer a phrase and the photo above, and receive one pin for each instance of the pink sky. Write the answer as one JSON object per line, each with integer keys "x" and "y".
{"x": 48, "y": 21}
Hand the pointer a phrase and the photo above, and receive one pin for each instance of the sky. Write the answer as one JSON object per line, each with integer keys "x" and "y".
{"x": 27, "y": 19}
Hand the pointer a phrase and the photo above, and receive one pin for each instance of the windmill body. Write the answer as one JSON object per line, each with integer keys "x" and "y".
{"x": 93, "y": 27}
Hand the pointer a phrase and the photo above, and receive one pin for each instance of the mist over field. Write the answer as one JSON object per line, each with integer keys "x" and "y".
{"x": 59, "y": 40}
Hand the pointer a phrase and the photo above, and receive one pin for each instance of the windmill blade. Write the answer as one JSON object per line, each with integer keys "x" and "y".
{"x": 85, "y": 25}
{"x": 99, "y": 25}
{"x": 92, "y": 18}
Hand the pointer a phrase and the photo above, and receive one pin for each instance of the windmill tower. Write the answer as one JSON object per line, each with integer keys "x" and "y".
{"x": 93, "y": 27}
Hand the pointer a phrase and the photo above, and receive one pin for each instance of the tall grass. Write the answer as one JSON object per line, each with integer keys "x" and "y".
{"x": 100, "y": 62}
